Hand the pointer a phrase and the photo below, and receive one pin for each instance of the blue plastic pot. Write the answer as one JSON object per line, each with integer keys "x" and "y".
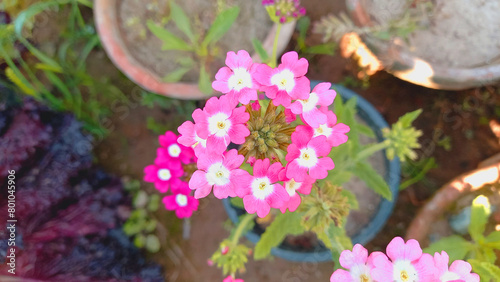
{"x": 320, "y": 253}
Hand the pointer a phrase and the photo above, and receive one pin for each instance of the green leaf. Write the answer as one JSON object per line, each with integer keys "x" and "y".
{"x": 283, "y": 224}
{"x": 140, "y": 241}
{"x": 480, "y": 211}
{"x": 302, "y": 26}
{"x": 221, "y": 25}
{"x": 154, "y": 202}
{"x": 487, "y": 271}
{"x": 204, "y": 83}
{"x": 237, "y": 202}
{"x": 181, "y": 20}
{"x": 336, "y": 240}
{"x": 351, "y": 198}
{"x": 152, "y": 243}
{"x": 338, "y": 177}
{"x": 374, "y": 181}
{"x": 493, "y": 240}
{"x": 408, "y": 118}
{"x": 363, "y": 129}
{"x": 170, "y": 41}
{"x": 175, "y": 75}
{"x": 259, "y": 48}
{"x": 322, "y": 49}
{"x": 20, "y": 81}
{"x": 130, "y": 228}
{"x": 456, "y": 247}
{"x": 150, "y": 225}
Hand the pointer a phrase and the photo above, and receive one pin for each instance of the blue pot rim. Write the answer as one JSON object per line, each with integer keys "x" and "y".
{"x": 371, "y": 116}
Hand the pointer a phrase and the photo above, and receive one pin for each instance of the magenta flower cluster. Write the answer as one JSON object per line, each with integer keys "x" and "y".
{"x": 404, "y": 262}
{"x": 274, "y": 183}
{"x": 168, "y": 173}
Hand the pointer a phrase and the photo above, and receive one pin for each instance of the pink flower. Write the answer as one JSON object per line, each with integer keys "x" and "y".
{"x": 236, "y": 79}
{"x": 172, "y": 149}
{"x": 263, "y": 191}
{"x": 321, "y": 95}
{"x": 407, "y": 263}
{"x": 231, "y": 279}
{"x": 292, "y": 188}
{"x": 189, "y": 138}
{"x": 164, "y": 173}
{"x": 304, "y": 156}
{"x": 335, "y": 132}
{"x": 357, "y": 262}
{"x": 221, "y": 172}
{"x": 181, "y": 202}
{"x": 221, "y": 123}
{"x": 459, "y": 269}
{"x": 287, "y": 81}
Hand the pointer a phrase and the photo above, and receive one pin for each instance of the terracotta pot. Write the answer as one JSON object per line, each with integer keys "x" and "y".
{"x": 403, "y": 64}
{"x": 488, "y": 173}
{"x": 107, "y": 23}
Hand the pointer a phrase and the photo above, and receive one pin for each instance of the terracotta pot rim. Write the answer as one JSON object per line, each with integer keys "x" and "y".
{"x": 463, "y": 184}
{"x": 405, "y": 65}
{"x": 107, "y": 27}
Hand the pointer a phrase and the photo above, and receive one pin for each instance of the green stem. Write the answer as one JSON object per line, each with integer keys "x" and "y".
{"x": 241, "y": 226}
{"x": 274, "y": 58}
{"x": 368, "y": 151}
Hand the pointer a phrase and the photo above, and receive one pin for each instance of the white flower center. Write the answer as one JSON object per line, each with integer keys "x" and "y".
{"x": 403, "y": 271}
{"x": 219, "y": 124}
{"x": 164, "y": 174}
{"x": 200, "y": 141}
{"x": 284, "y": 80}
{"x": 449, "y": 276}
{"x": 174, "y": 150}
{"x": 261, "y": 188}
{"x": 360, "y": 273}
{"x": 218, "y": 174}
{"x": 181, "y": 200}
{"x": 240, "y": 79}
{"x": 324, "y": 130}
{"x": 307, "y": 158}
{"x": 310, "y": 103}
{"x": 291, "y": 186}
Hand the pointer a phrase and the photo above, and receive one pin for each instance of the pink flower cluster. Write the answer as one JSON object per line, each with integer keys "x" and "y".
{"x": 404, "y": 262}
{"x": 273, "y": 183}
{"x": 168, "y": 173}
{"x": 286, "y": 9}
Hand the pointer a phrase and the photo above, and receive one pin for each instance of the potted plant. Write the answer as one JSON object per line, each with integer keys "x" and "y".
{"x": 460, "y": 219}
{"x": 158, "y": 46}
{"x": 422, "y": 42}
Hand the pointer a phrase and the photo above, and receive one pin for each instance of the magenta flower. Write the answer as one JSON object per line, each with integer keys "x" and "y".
{"x": 221, "y": 172}
{"x": 236, "y": 79}
{"x": 164, "y": 174}
{"x": 171, "y": 149}
{"x": 181, "y": 202}
{"x": 189, "y": 138}
{"x": 358, "y": 263}
{"x": 221, "y": 123}
{"x": 230, "y": 278}
{"x": 459, "y": 270}
{"x": 304, "y": 156}
{"x": 292, "y": 188}
{"x": 407, "y": 263}
{"x": 335, "y": 132}
{"x": 263, "y": 191}
{"x": 287, "y": 81}
{"x": 321, "y": 95}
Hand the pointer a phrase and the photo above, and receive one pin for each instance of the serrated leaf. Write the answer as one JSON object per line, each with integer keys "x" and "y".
{"x": 480, "y": 211}
{"x": 374, "y": 181}
{"x": 283, "y": 224}
{"x": 456, "y": 247}
{"x": 152, "y": 243}
{"x": 487, "y": 271}
{"x": 259, "y": 48}
{"x": 204, "y": 82}
{"x": 351, "y": 199}
{"x": 338, "y": 177}
{"x": 170, "y": 41}
{"x": 181, "y": 20}
{"x": 408, "y": 118}
{"x": 365, "y": 130}
{"x": 493, "y": 240}
{"x": 221, "y": 25}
